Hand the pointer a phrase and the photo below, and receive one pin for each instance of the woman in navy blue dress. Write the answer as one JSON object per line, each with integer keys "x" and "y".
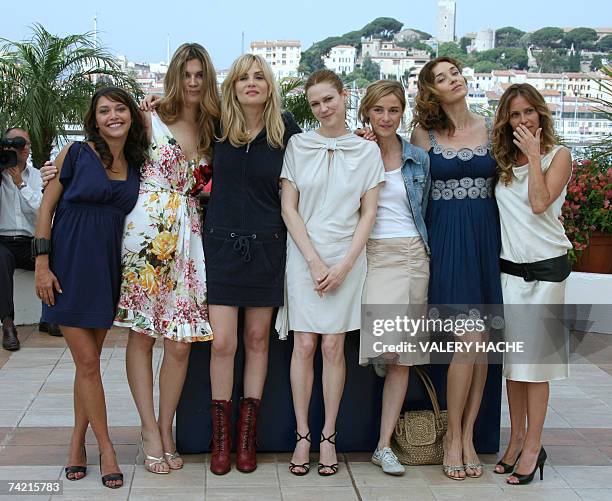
{"x": 244, "y": 244}
{"x": 463, "y": 227}
{"x": 78, "y": 260}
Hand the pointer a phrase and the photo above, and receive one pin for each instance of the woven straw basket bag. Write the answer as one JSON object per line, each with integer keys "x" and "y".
{"x": 417, "y": 438}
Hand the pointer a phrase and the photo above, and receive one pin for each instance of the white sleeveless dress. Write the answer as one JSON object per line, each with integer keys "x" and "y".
{"x": 526, "y": 238}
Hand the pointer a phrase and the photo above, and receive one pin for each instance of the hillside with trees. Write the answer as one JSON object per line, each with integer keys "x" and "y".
{"x": 384, "y": 27}
{"x": 551, "y": 47}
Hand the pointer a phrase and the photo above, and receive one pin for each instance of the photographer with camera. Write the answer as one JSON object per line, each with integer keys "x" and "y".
{"x": 20, "y": 197}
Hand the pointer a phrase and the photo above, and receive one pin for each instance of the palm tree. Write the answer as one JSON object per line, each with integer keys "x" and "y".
{"x": 294, "y": 100}
{"x": 47, "y": 82}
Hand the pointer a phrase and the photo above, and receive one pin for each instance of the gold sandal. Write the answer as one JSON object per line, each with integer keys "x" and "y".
{"x": 173, "y": 456}
{"x": 153, "y": 459}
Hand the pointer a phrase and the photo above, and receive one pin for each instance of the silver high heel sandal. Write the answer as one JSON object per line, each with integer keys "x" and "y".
{"x": 173, "y": 456}
{"x": 154, "y": 461}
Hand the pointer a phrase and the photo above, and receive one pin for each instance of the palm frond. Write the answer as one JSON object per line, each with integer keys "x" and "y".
{"x": 294, "y": 100}
{"x": 46, "y": 82}
{"x": 603, "y": 148}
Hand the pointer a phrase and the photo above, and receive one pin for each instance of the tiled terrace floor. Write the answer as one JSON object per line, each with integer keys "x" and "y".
{"x": 36, "y": 415}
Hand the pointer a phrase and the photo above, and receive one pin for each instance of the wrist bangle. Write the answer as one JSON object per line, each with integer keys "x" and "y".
{"x": 40, "y": 246}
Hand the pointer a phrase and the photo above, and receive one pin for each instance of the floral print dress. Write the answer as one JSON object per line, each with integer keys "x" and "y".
{"x": 163, "y": 286}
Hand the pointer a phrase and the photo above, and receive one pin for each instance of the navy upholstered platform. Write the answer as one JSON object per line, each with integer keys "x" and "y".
{"x": 358, "y": 420}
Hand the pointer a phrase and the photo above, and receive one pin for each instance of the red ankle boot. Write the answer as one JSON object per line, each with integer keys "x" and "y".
{"x": 220, "y": 411}
{"x": 246, "y": 459}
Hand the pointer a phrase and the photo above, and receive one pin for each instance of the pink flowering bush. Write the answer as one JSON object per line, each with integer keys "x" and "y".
{"x": 587, "y": 206}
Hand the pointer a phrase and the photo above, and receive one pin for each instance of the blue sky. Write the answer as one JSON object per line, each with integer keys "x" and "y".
{"x": 139, "y": 29}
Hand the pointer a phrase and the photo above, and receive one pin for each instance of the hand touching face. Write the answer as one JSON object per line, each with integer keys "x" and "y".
{"x": 525, "y": 123}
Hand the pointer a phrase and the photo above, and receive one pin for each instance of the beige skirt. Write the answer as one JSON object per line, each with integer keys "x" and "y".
{"x": 397, "y": 274}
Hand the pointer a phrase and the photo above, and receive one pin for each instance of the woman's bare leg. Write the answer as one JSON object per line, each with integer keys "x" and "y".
{"x": 84, "y": 349}
{"x": 77, "y": 455}
{"x": 517, "y": 404}
{"x": 256, "y": 343}
{"x": 334, "y": 374}
{"x": 537, "y": 404}
{"x": 394, "y": 393}
{"x": 139, "y": 366}
{"x": 171, "y": 379}
{"x": 224, "y": 323}
{"x": 302, "y": 376}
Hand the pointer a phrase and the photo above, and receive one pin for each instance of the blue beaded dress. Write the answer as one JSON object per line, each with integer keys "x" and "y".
{"x": 463, "y": 226}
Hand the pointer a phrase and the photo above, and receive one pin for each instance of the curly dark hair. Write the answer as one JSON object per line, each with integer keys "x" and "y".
{"x": 428, "y": 112}
{"x": 136, "y": 146}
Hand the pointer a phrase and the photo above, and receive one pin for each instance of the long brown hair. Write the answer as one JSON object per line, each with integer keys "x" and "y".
{"x": 171, "y": 105}
{"x": 233, "y": 124}
{"x": 428, "y": 112}
{"x": 136, "y": 145}
{"x": 505, "y": 151}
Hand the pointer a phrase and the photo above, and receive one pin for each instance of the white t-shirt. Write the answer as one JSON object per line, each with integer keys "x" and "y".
{"x": 393, "y": 216}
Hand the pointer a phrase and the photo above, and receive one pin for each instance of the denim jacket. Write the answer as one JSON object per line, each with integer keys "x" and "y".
{"x": 417, "y": 180}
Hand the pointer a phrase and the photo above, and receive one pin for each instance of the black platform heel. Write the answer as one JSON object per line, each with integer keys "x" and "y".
{"x": 508, "y": 468}
{"x": 525, "y": 479}
{"x": 305, "y": 467}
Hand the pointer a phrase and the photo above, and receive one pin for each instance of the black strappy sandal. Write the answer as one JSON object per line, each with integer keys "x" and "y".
{"x": 332, "y": 467}
{"x": 110, "y": 477}
{"x": 305, "y": 466}
{"x": 508, "y": 468}
{"x": 73, "y": 470}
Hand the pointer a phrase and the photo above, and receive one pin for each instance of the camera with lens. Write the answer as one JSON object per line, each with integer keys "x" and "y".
{"x": 8, "y": 157}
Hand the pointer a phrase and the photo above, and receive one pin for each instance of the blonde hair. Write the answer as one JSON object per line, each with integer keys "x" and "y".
{"x": 174, "y": 88}
{"x": 505, "y": 151}
{"x": 233, "y": 124}
{"x": 428, "y": 111}
{"x": 377, "y": 91}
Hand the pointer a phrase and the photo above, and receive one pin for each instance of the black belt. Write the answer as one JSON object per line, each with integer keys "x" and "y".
{"x": 15, "y": 238}
{"x": 555, "y": 269}
{"x": 243, "y": 239}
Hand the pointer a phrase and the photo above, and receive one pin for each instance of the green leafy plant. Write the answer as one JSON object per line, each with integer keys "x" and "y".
{"x": 294, "y": 100}
{"x": 46, "y": 83}
{"x": 588, "y": 204}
